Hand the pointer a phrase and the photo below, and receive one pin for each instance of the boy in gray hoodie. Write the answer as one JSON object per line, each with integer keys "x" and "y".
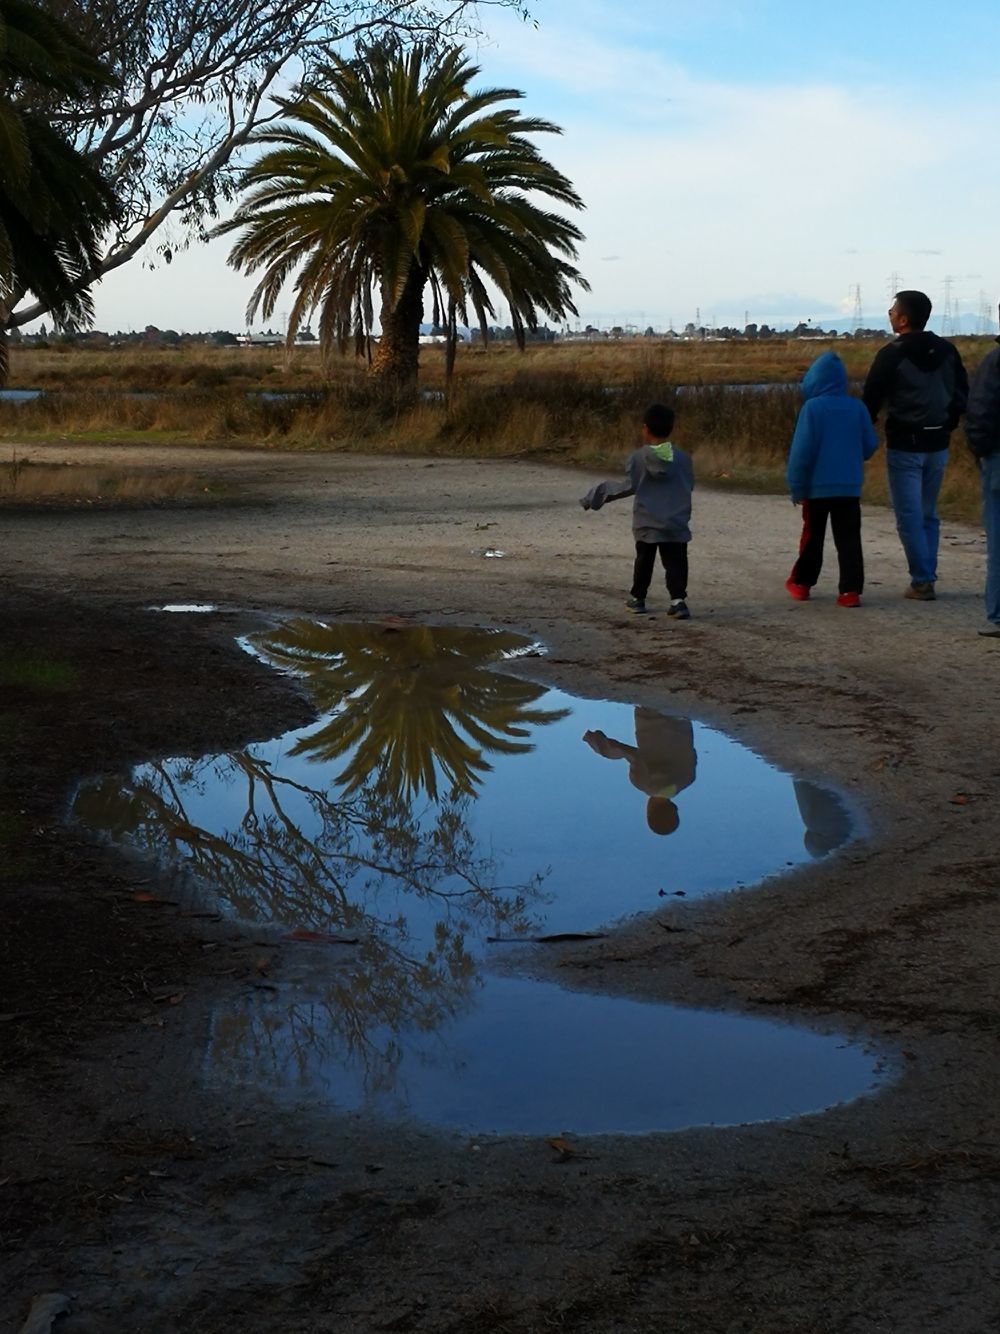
{"x": 660, "y": 477}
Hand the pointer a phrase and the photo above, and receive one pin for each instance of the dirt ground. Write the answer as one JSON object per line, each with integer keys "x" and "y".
{"x": 157, "y": 1201}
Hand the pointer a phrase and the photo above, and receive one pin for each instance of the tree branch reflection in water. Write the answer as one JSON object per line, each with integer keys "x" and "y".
{"x": 354, "y": 854}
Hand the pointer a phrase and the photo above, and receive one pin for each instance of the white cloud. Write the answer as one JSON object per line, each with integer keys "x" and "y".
{"x": 766, "y": 191}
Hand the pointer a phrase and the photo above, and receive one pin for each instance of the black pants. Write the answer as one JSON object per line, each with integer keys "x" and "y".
{"x": 674, "y": 556}
{"x": 844, "y": 513}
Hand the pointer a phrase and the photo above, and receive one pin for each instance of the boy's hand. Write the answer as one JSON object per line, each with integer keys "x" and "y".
{"x": 585, "y": 502}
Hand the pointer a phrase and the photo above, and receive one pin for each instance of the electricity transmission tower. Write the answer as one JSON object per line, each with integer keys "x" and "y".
{"x": 984, "y": 323}
{"x": 892, "y": 284}
{"x": 950, "y": 310}
{"x": 857, "y": 317}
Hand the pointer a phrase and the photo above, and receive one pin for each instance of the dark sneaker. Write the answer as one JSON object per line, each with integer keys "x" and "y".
{"x": 800, "y": 592}
{"x": 849, "y": 600}
{"x": 991, "y": 630}
{"x": 920, "y": 593}
{"x": 679, "y": 611}
{"x": 636, "y": 604}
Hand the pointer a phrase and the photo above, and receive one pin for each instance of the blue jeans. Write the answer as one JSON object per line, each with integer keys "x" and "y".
{"x": 914, "y": 483}
{"x": 990, "y": 470}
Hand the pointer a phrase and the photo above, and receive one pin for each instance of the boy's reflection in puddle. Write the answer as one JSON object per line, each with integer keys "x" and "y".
{"x": 661, "y": 763}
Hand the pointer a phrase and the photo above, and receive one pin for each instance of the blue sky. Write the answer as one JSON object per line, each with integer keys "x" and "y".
{"x": 736, "y": 159}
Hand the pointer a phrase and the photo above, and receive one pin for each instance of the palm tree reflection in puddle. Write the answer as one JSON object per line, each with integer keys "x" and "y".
{"x": 401, "y": 697}
{"x": 375, "y": 854}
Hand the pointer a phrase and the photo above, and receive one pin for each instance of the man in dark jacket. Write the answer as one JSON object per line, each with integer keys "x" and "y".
{"x": 982, "y": 430}
{"x": 920, "y": 380}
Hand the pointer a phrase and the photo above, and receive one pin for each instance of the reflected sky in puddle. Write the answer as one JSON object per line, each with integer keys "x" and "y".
{"x": 525, "y": 1057}
{"x": 438, "y": 807}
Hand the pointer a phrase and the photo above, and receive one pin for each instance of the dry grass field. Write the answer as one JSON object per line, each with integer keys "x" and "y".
{"x": 572, "y": 402}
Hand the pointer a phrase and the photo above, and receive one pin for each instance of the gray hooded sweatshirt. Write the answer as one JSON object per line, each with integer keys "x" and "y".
{"x": 661, "y": 479}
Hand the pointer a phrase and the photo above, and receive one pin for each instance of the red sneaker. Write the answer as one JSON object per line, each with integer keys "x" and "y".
{"x": 849, "y": 600}
{"x": 800, "y": 592}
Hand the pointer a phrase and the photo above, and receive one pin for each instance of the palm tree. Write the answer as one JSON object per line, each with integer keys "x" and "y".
{"x": 54, "y": 204}
{"x": 388, "y": 176}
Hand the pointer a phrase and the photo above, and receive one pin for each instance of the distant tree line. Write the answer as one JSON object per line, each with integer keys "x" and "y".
{"x": 150, "y": 336}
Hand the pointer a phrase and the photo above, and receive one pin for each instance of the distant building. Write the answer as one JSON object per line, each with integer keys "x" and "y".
{"x": 266, "y": 339}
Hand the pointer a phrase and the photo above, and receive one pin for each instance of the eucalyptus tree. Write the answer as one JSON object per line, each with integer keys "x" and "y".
{"x": 390, "y": 177}
{"x": 193, "y": 78}
{"x": 54, "y": 202}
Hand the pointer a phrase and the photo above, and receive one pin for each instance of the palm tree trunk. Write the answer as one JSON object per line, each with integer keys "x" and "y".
{"x": 395, "y": 362}
{"x": 4, "y": 343}
{"x": 450, "y": 349}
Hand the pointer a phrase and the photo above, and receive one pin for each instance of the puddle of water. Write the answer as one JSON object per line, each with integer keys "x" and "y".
{"x": 437, "y": 805}
{"x": 186, "y": 607}
{"x": 262, "y": 395}
{"x": 533, "y": 649}
{"x": 304, "y": 397}
{"x": 729, "y": 387}
{"x": 530, "y": 1058}
{"x": 30, "y": 395}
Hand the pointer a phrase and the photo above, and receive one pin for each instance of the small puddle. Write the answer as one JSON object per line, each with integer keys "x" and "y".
{"x": 440, "y": 816}
{"x": 189, "y": 608}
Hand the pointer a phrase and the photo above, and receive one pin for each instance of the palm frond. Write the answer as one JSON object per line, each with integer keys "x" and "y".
{"x": 55, "y": 206}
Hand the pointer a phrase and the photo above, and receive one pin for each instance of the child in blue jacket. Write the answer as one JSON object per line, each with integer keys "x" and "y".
{"x": 833, "y": 438}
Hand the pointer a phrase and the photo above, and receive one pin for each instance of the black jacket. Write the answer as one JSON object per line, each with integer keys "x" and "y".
{"x": 982, "y": 421}
{"x": 920, "y": 380}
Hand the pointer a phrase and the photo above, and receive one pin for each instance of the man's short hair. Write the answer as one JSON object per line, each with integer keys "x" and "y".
{"x": 659, "y": 420}
{"x": 916, "y": 306}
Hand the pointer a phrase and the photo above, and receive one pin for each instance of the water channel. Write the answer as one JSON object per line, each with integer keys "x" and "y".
{"x": 293, "y": 395}
{"x": 414, "y": 847}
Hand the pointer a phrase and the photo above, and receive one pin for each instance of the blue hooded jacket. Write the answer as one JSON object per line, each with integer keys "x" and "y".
{"x": 833, "y": 435}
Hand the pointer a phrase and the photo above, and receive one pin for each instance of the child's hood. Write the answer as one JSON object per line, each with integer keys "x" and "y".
{"x": 657, "y": 458}
{"x": 825, "y": 376}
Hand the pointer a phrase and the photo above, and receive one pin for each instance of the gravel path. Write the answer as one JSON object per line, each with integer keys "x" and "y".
{"x": 882, "y": 1215}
